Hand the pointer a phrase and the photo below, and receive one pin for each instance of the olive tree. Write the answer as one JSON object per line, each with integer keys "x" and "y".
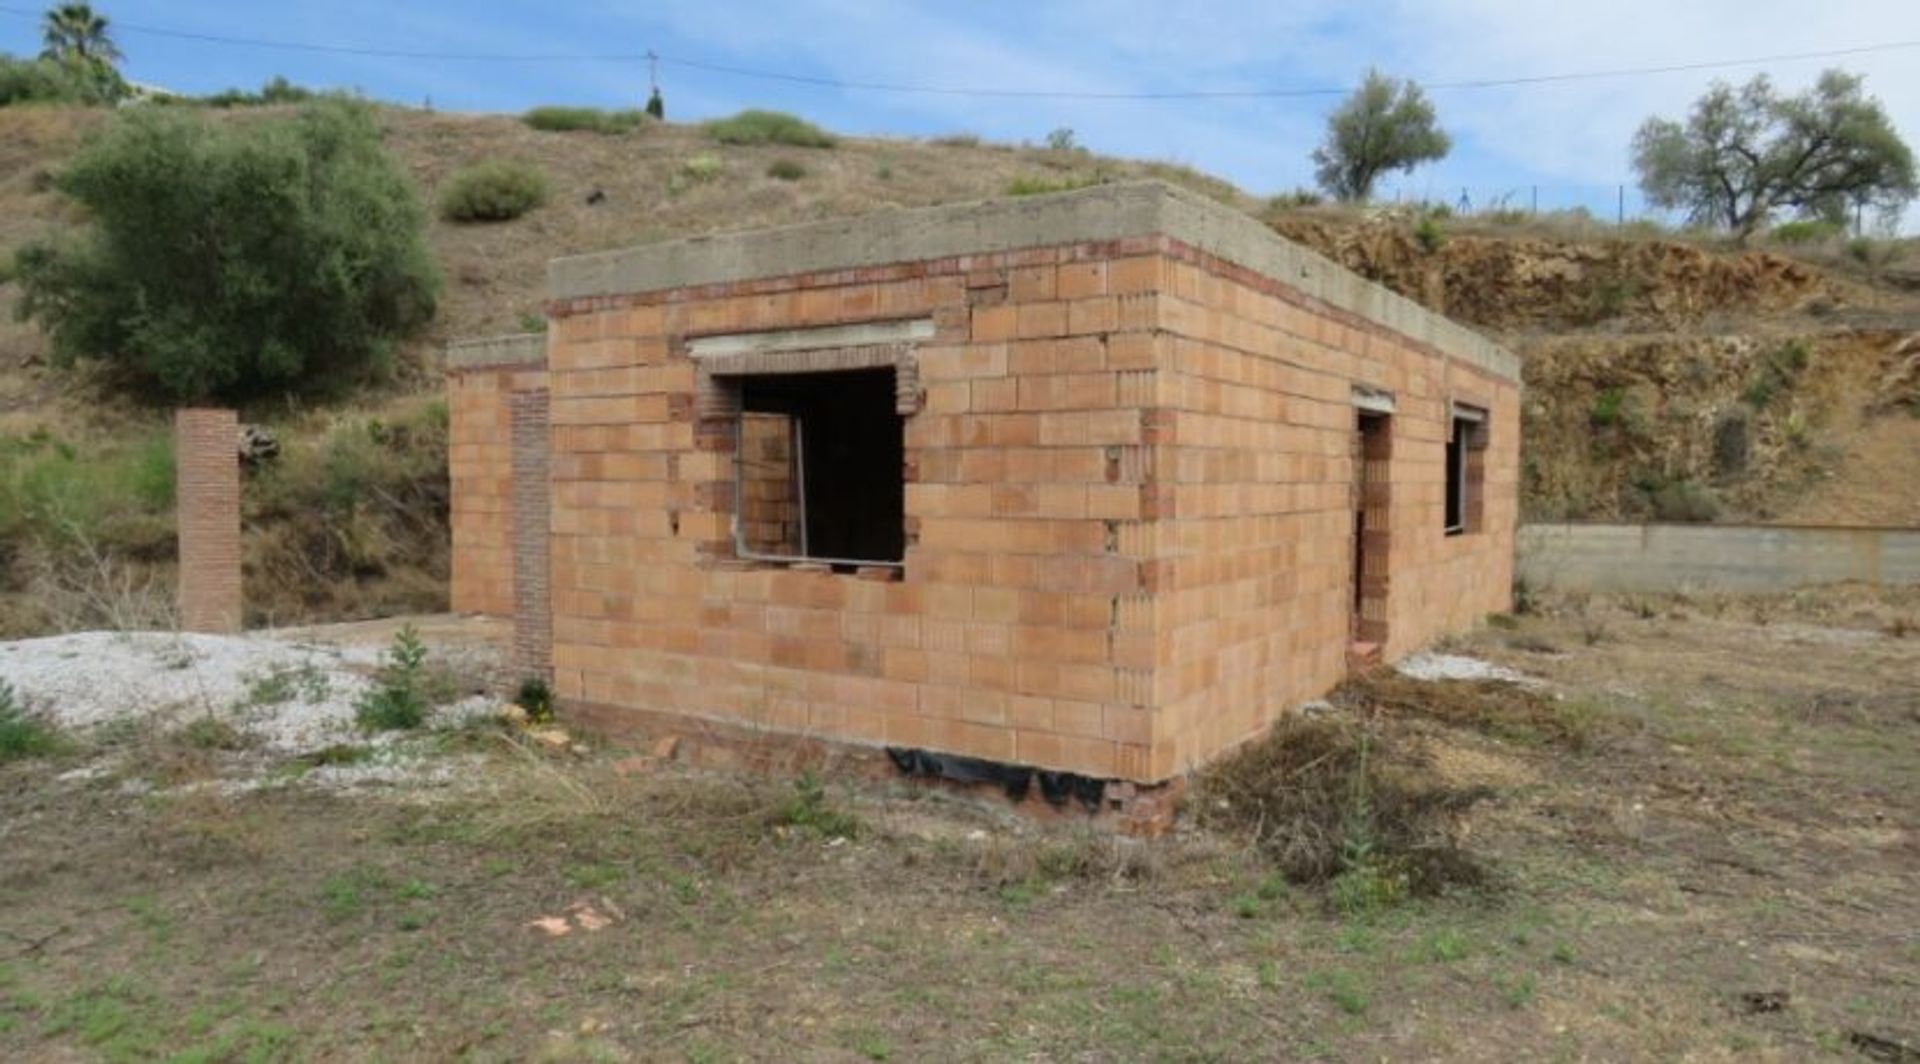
{"x": 1745, "y": 154}
{"x": 229, "y": 260}
{"x": 1386, "y": 125}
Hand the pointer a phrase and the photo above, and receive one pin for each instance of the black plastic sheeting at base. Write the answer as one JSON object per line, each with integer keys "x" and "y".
{"x": 1056, "y": 787}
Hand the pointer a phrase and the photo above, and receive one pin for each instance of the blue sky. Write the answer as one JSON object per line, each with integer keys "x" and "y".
{"x": 1568, "y": 139}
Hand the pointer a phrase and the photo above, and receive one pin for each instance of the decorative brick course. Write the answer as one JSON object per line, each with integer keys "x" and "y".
{"x": 1130, "y": 473}
{"x": 207, "y": 504}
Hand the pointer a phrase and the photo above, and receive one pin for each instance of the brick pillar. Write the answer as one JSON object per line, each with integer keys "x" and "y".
{"x": 207, "y": 505}
{"x": 532, "y": 487}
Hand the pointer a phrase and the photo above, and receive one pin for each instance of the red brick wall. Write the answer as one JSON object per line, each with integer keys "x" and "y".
{"x": 481, "y": 481}
{"x": 207, "y": 494}
{"x": 1128, "y": 511}
{"x": 1255, "y": 595}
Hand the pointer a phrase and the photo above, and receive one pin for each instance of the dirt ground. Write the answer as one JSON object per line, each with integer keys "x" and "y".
{"x": 1725, "y": 869}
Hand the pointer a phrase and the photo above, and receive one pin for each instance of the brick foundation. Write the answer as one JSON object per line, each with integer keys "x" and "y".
{"x": 207, "y": 505}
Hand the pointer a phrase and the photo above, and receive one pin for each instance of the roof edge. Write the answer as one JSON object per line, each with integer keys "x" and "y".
{"x": 1100, "y": 213}
{"x": 512, "y": 349}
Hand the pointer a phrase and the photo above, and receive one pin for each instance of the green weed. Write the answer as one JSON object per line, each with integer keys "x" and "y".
{"x": 809, "y": 809}
{"x": 23, "y": 734}
{"x": 397, "y": 702}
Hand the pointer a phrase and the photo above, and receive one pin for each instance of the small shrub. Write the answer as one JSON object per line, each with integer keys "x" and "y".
{"x": 397, "y": 701}
{"x": 1040, "y": 186}
{"x": 492, "y": 191}
{"x": 277, "y": 91}
{"x": 584, "y": 119}
{"x": 209, "y": 732}
{"x": 810, "y": 810}
{"x": 1296, "y": 199}
{"x": 1684, "y": 501}
{"x": 536, "y": 698}
{"x": 1607, "y": 407}
{"x": 695, "y": 171}
{"x": 1732, "y": 442}
{"x": 786, "y": 170}
{"x": 1429, "y": 233}
{"x": 768, "y": 127}
{"x": 884, "y": 173}
{"x": 656, "y": 105}
{"x": 1609, "y": 296}
{"x": 23, "y": 734}
{"x": 1806, "y": 231}
{"x": 1062, "y": 139}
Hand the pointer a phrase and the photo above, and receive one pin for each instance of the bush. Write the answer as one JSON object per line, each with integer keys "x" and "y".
{"x": 1062, "y": 139}
{"x": 1429, "y": 234}
{"x": 1809, "y": 231}
{"x": 492, "y": 191}
{"x": 786, "y": 170}
{"x": 308, "y": 260}
{"x": 277, "y": 91}
{"x": 768, "y": 127}
{"x": 1779, "y": 370}
{"x": 695, "y": 171}
{"x": 51, "y": 81}
{"x": 1298, "y": 198}
{"x": 584, "y": 119}
{"x": 1684, "y": 501}
{"x": 536, "y": 698}
{"x": 398, "y": 701}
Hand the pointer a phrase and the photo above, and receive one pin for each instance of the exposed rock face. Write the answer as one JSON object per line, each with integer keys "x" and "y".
{"x": 1522, "y": 284}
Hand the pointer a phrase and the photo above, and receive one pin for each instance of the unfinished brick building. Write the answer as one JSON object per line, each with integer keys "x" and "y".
{"x": 1099, "y": 483}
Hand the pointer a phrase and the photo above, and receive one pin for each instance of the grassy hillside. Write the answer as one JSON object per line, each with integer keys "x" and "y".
{"x": 1666, "y": 377}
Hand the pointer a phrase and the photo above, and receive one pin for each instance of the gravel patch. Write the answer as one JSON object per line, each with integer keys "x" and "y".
{"x": 293, "y": 697}
{"x": 1457, "y": 667}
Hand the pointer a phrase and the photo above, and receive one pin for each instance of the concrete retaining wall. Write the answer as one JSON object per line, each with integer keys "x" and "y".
{"x": 1604, "y": 557}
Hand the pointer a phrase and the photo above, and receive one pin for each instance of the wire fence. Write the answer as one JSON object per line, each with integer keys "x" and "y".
{"x": 1619, "y": 203}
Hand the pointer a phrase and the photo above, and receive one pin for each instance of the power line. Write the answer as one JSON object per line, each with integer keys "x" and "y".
{"x": 945, "y": 90}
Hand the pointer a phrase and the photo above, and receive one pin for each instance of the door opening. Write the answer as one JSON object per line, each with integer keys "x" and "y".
{"x": 1372, "y": 541}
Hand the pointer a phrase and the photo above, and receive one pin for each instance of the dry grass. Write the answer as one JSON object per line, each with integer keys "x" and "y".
{"x": 1740, "y": 833}
{"x": 1498, "y": 707}
{"x": 1322, "y": 797}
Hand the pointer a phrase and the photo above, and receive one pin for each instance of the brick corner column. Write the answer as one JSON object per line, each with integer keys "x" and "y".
{"x": 532, "y": 500}
{"x": 207, "y": 504}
